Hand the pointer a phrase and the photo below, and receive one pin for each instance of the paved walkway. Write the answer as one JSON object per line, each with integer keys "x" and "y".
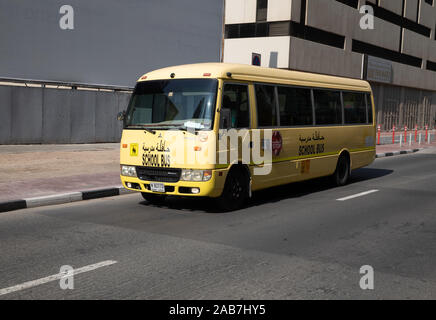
{"x": 38, "y": 170}
{"x": 397, "y": 147}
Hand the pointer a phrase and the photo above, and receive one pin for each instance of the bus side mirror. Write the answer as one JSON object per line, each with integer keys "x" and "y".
{"x": 121, "y": 116}
{"x": 225, "y": 117}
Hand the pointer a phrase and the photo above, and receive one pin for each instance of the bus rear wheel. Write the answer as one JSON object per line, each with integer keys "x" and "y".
{"x": 153, "y": 198}
{"x": 342, "y": 172}
{"x": 236, "y": 191}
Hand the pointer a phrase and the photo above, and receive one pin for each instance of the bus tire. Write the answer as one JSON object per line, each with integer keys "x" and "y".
{"x": 342, "y": 172}
{"x": 153, "y": 198}
{"x": 235, "y": 192}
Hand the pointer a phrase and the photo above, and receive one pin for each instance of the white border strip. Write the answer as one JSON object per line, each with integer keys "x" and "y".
{"x": 53, "y": 199}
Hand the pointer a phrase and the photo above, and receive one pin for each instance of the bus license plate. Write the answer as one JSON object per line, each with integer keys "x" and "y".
{"x": 157, "y": 187}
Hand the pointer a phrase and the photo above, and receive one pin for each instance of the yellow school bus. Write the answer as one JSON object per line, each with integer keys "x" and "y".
{"x": 301, "y": 125}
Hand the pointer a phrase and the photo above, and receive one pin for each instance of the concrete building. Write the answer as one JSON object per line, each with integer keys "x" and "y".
{"x": 397, "y": 56}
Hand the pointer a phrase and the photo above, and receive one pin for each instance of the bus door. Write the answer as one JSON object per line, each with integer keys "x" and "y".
{"x": 235, "y": 120}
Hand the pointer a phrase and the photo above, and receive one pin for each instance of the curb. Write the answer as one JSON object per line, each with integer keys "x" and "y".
{"x": 396, "y": 153}
{"x": 62, "y": 198}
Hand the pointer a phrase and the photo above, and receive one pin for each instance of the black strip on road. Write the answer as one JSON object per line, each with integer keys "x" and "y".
{"x": 94, "y": 194}
{"x": 13, "y": 205}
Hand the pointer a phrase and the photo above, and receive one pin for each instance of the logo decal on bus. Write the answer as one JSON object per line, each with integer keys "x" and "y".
{"x": 312, "y": 144}
{"x": 133, "y": 149}
{"x": 277, "y": 143}
{"x": 156, "y": 156}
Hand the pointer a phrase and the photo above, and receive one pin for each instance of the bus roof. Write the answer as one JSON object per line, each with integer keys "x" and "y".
{"x": 243, "y": 72}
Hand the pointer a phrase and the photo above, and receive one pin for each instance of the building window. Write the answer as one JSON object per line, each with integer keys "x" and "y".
{"x": 279, "y": 29}
{"x": 352, "y": 3}
{"x": 370, "y": 49}
{"x": 431, "y": 65}
{"x": 262, "y": 10}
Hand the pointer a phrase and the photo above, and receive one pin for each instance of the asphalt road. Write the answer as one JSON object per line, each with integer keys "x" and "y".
{"x": 294, "y": 242}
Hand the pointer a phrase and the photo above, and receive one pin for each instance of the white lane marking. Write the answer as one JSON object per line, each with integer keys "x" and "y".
{"x": 34, "y": 283}
{"x": 357, "y": 195}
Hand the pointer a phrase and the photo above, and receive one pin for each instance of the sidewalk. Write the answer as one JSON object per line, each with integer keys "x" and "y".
{"x": 28, "y": 171}
{"x": 395, "y": 148}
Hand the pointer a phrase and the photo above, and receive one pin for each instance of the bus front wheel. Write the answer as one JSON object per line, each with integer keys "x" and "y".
{"x": 235, "y": 192}
{"x": 342, "y": 172}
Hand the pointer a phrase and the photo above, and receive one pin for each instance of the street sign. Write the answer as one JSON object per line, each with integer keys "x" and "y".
{"x": 256, "y": 59}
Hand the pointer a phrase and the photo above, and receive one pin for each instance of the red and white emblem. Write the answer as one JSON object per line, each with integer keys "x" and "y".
{"x": 277, "y": 143}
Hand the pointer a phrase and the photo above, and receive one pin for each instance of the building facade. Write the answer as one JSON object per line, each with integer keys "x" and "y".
{"x": 397, "y": 56}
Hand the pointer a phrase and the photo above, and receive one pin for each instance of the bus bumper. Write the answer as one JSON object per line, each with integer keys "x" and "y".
{"x": 212, "y": 188}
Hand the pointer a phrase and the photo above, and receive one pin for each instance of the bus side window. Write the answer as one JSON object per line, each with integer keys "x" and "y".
{"x": 354, "y": 107}
{"x": 266, "y": 105}
{"x": 235, "y": 110}
{"x": 295, "y": 106}
{"x": 369, "y": 108}
{"x": 328, "y": 107}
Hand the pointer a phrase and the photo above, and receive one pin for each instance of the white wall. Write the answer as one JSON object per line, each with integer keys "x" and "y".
{"x": 240, "y": 50}
{"x": 240, "y": 11}
{"x": 279, "y": 10}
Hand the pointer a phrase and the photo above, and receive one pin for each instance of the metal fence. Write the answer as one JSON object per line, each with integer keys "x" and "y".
{"x": 34, "y": 113}
{"x": 400, "y": 107}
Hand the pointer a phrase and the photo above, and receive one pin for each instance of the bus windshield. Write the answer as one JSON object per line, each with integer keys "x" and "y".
{"x": 173, "y": 104}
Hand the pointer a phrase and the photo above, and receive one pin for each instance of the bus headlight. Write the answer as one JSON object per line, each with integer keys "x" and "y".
{"x": 196, "y": 175}
{"x": 128, "y": 171}
{"x": 186, "y": 175}
{"x": 207, "y": 175}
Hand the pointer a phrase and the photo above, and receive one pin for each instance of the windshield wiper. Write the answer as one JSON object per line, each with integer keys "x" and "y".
{"x": 190, "y": 129}
{"x": 150, "y": 130}
{"x": 142, "y": 128}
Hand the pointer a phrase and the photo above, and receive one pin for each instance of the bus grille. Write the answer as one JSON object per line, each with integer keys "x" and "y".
{"x": 158, "y": 174}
